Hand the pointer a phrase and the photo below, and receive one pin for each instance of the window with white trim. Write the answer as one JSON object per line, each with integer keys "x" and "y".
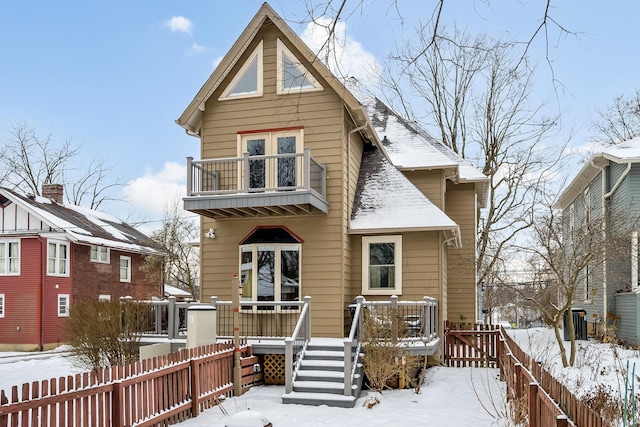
{"x": 58, "y": 258}
{"x": 270, "y": 266}
{"x": 267, "y": 172}
{"x": 104, "y": 297}
{"x": 63, "y": 305}
{"x": 10, "y": 257}
{"x": 1, "y": 305}
{"x": 125, "y": 269}
{"x": 382, "y": 265}
{"x": 100, "y": 254}
{"x": 248, "y": 82}
{"x": 292, "y": 75}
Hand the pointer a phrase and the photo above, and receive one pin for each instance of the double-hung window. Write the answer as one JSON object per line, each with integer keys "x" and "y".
{"x": 125, "y": 269}
{"x": 99, "y": 254}
{"x": 58, "y": 258}
{"x": 270, "y": 266}
{"x": 9, "y": 257}
{"x": 275, "y": 163}
{"x": 382, "y": 265}
{"x": 63, "y": 305}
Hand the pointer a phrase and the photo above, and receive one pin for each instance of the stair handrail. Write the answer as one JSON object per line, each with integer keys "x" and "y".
{"x": 300, "y": 336}
{"x": 350, "y": 359}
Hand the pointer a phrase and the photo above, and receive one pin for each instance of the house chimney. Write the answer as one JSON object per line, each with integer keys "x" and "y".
{"x": 53, "y": 191}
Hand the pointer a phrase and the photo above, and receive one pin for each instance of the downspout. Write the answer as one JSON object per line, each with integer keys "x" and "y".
{"x": 41, "y": 302}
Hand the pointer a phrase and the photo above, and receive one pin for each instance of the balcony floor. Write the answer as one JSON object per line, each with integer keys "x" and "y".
{"x": 281, "y": 203}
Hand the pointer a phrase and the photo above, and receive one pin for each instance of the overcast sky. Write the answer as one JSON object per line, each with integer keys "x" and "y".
{"x": 115, "y": 75}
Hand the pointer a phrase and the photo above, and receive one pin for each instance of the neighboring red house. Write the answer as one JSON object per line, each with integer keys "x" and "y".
{"x": 54, "y": 254}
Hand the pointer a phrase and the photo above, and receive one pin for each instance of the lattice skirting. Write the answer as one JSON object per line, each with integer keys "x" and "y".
{"x": 274, "y": 369}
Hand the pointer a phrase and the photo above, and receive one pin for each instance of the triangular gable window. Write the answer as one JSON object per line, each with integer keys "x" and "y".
{"x": 292, "y": 75}
{"x": 248, "y": 82}
{"x": 270, "y": 235}
{"x": 4, "y": 202}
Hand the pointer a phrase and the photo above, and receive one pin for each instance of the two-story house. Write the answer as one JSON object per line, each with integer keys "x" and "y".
{"x": 54, "y": 254}
{"x": 307, "y": 189}
{"x": 606, "y": 194}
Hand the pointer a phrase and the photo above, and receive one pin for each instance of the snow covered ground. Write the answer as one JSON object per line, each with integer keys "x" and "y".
{"x": 450, "y": 396}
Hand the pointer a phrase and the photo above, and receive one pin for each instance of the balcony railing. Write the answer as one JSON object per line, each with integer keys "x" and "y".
{"x": 256, "y": 174}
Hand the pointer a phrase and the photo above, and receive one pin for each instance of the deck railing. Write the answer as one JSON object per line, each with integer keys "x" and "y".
{"x": 409, "y": 322}
{"x": 257, "y": 319}
{"x": 256, "y": 174}
{"x": 296, "y": 344}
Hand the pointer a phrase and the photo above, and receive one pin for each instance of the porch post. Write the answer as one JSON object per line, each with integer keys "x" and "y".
{"x": 189, "y": 177}
{"x": 347, "y": 366}
{"x": 288, "y": 365}
{"x": 307, "y": 330}
{"x": 246, "y": 171}
{"x": 171, "y": 318}
{"x": 307, "y": 168}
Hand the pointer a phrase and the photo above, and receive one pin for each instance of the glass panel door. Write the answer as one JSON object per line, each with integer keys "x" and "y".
{"x": 256, "y": 147}
{"x": 286, "y": 165}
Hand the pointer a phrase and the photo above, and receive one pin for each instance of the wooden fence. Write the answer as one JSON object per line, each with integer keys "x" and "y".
{"x": 471, "y": 344}
{"x": 154, "y": 392}
{"x": 537, "y": 399}
{"x": 526, "y": 373}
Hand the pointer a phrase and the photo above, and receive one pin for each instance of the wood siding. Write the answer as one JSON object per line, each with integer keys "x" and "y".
{"x": 431, "y": 183}
{"x": 323, "y": 252}
{"x": 628, "y": 324}
{"x": 461, "y": 275}
{"x": 421, "y": 267}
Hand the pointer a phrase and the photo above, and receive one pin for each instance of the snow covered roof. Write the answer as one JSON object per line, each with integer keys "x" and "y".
{"x": 625, "y": 152}
{"x": 386, "y": 201}
{"x": 409, "y": 147}
{"x": 84, "y": 226}
{"x": 176, "y": 292}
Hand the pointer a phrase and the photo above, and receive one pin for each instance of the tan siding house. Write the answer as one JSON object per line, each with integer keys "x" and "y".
{"x": 304, "y": 187}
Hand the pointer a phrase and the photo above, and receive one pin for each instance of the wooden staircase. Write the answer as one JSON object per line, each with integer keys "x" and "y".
{"x": 320, "y": 376}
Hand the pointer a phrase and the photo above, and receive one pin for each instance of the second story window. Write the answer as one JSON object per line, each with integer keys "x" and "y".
{"x": 125, "y": 269}
{"x": 9, "y": 257}
{"x": 58, "y": 258}
{"x": 99, "y": 254}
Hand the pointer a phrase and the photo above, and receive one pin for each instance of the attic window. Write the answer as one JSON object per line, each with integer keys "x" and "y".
{"x": 4, "y": 202}
{"x": 292, "y": 75}
{"x": 248, "y": 82}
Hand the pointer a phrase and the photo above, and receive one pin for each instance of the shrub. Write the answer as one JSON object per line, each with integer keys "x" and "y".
{"x": 106, "y": 333}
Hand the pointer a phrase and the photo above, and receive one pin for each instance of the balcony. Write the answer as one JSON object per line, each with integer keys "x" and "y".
{"x": 252, "y": 186}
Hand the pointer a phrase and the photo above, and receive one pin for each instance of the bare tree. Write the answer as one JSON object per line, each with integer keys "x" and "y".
{"x": 478, "y": 100}
{"x": 620, "y": 121}
{"x": 31, "y": 160}
{"x": 177, "y": 235}
{"x": 565, "y": 250}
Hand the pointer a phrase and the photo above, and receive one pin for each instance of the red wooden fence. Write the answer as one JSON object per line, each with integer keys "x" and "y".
{"x": 537, "y": 399}
{"x": 154, "y": 392}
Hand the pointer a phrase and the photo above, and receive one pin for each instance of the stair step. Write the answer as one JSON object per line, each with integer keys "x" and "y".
{"x": 321, "y": 387}
{"x": 317, "y": 375}
{"x": 322, "y": 364}
{"x": 317, "y": 399}
{"x": 324, "y": 355}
